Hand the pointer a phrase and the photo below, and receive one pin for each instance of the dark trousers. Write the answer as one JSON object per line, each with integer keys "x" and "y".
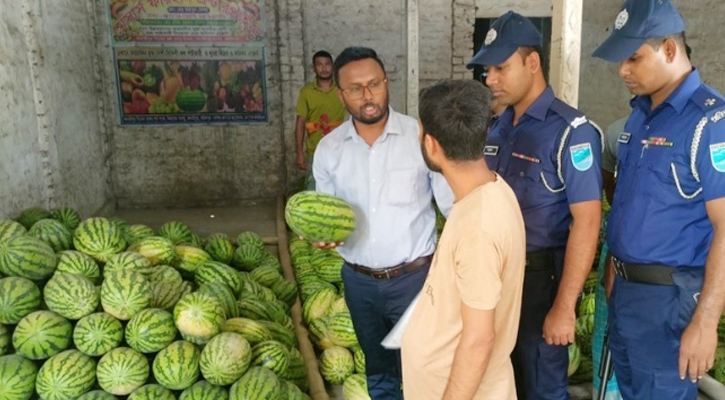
{"x": 375, "y": 306}
{"x": 645, "y": 326}
{"x": 540, "y": 369}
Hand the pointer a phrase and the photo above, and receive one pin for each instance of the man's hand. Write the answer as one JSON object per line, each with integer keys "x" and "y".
{"x": 559, "y": 326}
{"x": 301, "y": 161}
{"x": 324, "y": 245}
{"x": 697, "y": 351}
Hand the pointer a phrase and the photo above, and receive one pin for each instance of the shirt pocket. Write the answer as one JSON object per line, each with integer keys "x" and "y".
{"x": 524, "y": 178}
{"x": 669, "y": 174}
{"x": 403, "y": 187}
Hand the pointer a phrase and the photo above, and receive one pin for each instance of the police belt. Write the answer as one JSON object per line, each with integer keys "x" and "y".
{"x": 541, "y": 260}
{"x": 394, "y": 271}
{"x": 653, "y": 274}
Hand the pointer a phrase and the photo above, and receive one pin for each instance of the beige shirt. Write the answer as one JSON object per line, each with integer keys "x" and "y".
{"x": 480, "y": 261}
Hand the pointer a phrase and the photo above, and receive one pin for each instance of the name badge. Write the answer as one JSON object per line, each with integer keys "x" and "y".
{"x": 624, "y": 137}
{"x": 490, "y": 150}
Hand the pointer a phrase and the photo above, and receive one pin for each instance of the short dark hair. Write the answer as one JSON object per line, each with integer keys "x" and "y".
{"x": 351, "y": 54}
{"x": 679, "y": 38}
{"x": 525, "y": 51}
{"x": 457, "y": 114}
{"x": 321, "y": 54}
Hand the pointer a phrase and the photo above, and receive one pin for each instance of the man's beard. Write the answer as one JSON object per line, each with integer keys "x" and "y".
{"x": 370, "y": 120}
{"x": 430, "y": 164}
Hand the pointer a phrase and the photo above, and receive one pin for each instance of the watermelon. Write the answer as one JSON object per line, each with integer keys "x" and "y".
{"x": 158, "y": 250}
{"x": 122, "y": 370}
{"x": 339, "y": 306}
{"x": 134, "y": 233}
{"x": 150, "y": 330}
{"x": 359, "y": 358}
{"x": 190, "y": 258}
{"x": 186, "y": 288}
{"x": 225, "y": 296}
{"x": 247, "y": 256}
{"x": 336, "y": 364}
{"x": 213, "y": 271}
{"x": 272, "y": 355}
{"x": 270, "y": 260}
{"x": 320, "y": 334}
{"x": 18, "y": 298}
{"x": 250, "y": 237}
{"x": 166, "y": 287}
{"x": 75, "y": 262}
{"x": 99, "y": 238}
{"x": 27, "y": 257}
{"x": 266, "y": 275}
{"x": 204, "y": 390}
{"x": 574, "y": 359}
{"x": 9, "y": 228}
{"x": 152, "y": 392}
{"x": 97, "y": 334}
{"x": 250, "y": 329}
{"x": 257, "y": 384}
{"x": 71, "y": 296}
{"x": 296, "y": 370}
{"x": 218, "y": 246}
{"x": 329, "y": 269}
{"x": 30, "y": 216}
{"x": 319, "y": 217}
{"x": 66, "y": 375}
{"x": 587, "y": 304}
{"x": 97, "y": 395}
{"x": 125, "y": 293}
{"x": 225, "y": 358}
{"x": 17, "y": 377}
{"x": 318, "y": 304}
{"x": 260, "y": 310}
{"x": 292, "y": 391}
{"x": 311, "y": 285}
{"x": 199, "y": 317}
{"x": 5, "y": 340}
{"x": 355, "y": 387}
{"x": 253, "y": 289}
{"x": 128, "y": 261}
{"x": 67, "y": 216}
{"x": 41, "y": 334}
{"x": 177, "y": 366}
{"x": 341, "y": 331}
{"x": 177, "y": 232}
{"x": 286, "y": 291}
{"x": 119, "y": 222}
{"x": 52, "y": 232}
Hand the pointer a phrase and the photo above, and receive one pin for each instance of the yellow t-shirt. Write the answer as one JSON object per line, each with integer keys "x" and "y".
{"x": 323, "y": 112}
{"x": 480, "y": 260}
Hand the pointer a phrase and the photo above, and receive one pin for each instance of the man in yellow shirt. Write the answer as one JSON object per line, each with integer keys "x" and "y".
{"x": 319, "y": 111}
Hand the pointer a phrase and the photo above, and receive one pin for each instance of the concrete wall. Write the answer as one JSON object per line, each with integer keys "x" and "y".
{"x": 51, "y": 141}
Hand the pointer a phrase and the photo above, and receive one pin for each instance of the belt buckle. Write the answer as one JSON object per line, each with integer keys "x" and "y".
{"x": 619, "y": 268}
{"x": 380, "y": 275}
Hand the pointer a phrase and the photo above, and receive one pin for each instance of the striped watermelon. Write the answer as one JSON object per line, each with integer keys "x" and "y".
{"x": 119, "y": 222}
{"x": 312, "y": 284}
{"x": 319, "y": 217}
{"x": 225, "y": 296}
{"x": 270, "y": 260}
{"x": 249, "y": 237}
{"x": 341, "y": 331}
{"x": 27, "y": 257}
{"x": 257, "y": 384}
{"x": 18, "y": 298}
{"x": 75, "y": 262}
{"x": 218, "y": 245}
{"x": 71, "y": 296}
{"x": 97, "y": 395}
{"x": 292, "y": 391}
{"x": 97, "y": 334}
{"x": 42, "y": 334}
{"x": 250, "y": 329}
{"x": 213, "y": 271}
{"x": 128, "y": 261}
{"x": 177, "y": 366}
{"x": 159, "y": 250}
{"x": 5, "y": 340}
{"x": 247, "y": 256}
{"x": 318, "y": 304}
{"x": 125, "y": 293}
{"x": 32, "y": 215}
{"x": 304, "y": 269}
{"x": 286, "y": 291}
{"x": 339, "y": 306}
{"x": 329, "y": 269}
{"x": 195, "y": 241}
{"x": 186, "y": 288}
{"x": 177, "y": 232}
{"x": 17, "y": 377}
{"x": 320, "y": 334}
{"x": 359, "y": 357}
{"x": 296, "y": 370}
{"x": 204, "y": 390}
{"x": 281, "y": 333}
{"x": 225, "y": 358}
{"x": 52, "y": 232}
{"x": 254, "y": 290}
{"x": 355, "y": 387}
{"x": 10, "y": 228}
{"x": 272, "y": 355}
{"x": 199, "y": 317}
{"x": 67, "y": 216}
{"x": 260, "y": 310}
{"x": 336, "y": 364}
{"x": 152, "y": 392}
{"x": 150, "y": 330}
{"x": 122, "y": 370}
{"x": 266, "y": 275}
{"x": 99, "y": 238}
{"x": 134, "y": 233}
{"x": 166, "y": 287}
{"x": 66, "y": 375}
{"x": 191, "y": 257}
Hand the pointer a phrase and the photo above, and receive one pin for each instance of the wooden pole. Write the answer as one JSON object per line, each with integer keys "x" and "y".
{"x": 566, "y": 28}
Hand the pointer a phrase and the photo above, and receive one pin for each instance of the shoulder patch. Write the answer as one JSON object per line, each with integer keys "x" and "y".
{"x": 581, "y": 156}
{"x": 578, "y": 121}
{"x": 717, "y": 156}
{"x": 707, "y": 99}
{"x": 718, "y": 116}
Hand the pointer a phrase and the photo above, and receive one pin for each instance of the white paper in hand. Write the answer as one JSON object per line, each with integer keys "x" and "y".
{"x": 394, "y": 338}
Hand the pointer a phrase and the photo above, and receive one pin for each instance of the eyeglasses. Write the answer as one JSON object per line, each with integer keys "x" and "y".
{"x": 357, "y": 92}
{"x": 483, "y": 77}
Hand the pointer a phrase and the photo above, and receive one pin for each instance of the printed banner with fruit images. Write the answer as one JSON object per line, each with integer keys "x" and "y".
{"x": 183, "y": 85}
{"x": 187, "y": 21}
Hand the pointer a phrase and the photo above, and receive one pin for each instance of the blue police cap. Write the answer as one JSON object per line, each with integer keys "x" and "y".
{"x": 509, "y": 32}
{"x": 639, "y": 21}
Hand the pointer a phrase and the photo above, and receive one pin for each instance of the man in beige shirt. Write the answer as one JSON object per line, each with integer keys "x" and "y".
{"x": 458, "y": 342}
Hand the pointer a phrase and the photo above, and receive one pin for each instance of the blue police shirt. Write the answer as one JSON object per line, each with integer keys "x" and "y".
{"x": 551, "y": 159}
{"x": 658, "y": 213}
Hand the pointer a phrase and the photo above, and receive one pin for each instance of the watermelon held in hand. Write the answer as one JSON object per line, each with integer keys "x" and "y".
{"x": 319, "y": 217}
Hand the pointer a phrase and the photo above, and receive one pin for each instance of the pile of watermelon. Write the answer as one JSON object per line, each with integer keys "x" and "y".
{"x": 100, "y": 309}
{"x": 327, "y": 317}
{"x": 580, "y": 352}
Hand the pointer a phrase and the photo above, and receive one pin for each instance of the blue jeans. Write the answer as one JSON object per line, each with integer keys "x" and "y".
{"x": 375, "y": 306}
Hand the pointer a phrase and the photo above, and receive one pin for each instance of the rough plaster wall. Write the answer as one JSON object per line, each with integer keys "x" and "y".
{"x": 435, "y": 49}
{"x": 51, "y": 153}
{"x": 529, "y": 8}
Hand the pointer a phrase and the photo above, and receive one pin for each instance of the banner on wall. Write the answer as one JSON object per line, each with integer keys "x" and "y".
{"x": 187, "y": 21}
{"x": 183, "y": 84}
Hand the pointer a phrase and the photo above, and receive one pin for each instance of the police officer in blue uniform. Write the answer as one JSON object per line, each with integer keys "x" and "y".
{"x": 549, "y": 153}
{"x": 666, "y": 229}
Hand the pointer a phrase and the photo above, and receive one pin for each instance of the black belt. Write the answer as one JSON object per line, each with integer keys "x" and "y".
{"x": 653, "y": 274}
{"x": 392, "y": 272}
{"x": 541, "y": 260}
